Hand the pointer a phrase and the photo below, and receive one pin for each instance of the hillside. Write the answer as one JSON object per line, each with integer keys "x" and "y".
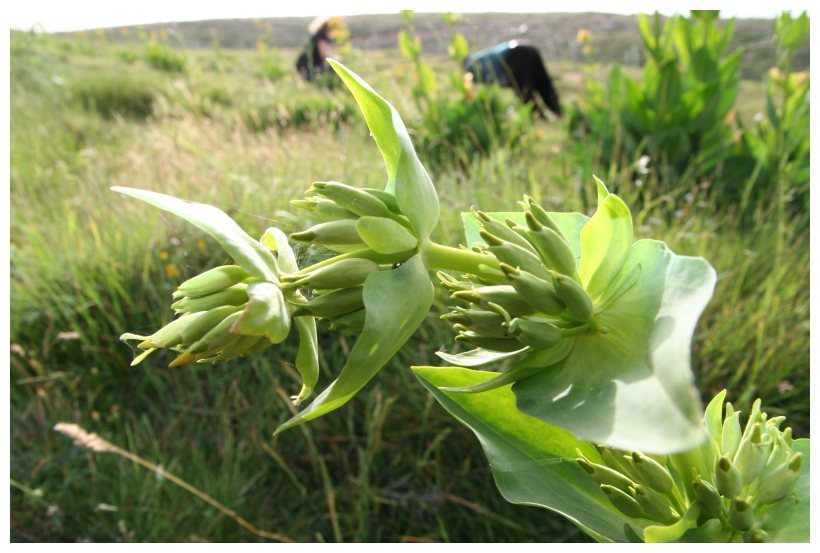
{"x": 614, "y": 37}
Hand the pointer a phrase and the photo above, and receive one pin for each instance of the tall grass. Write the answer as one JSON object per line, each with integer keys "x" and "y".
{"x": 87, "y": 265}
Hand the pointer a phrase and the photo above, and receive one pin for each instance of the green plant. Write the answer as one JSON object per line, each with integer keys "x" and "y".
{"x": 677, "y": 113}
{"x": 599, "y": 327}
{"x": 116, "y": 94}
{"x": 473, "y": 122}
{"x": 770, "y": 165}
{"x": 162, "y": 57}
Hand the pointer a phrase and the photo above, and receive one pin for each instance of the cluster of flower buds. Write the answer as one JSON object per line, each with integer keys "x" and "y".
{"x": 367, "y": 227}
{"x": 216, "y": 322}
{"x": 739, "y": 486}
{"x": 534, "y": 299}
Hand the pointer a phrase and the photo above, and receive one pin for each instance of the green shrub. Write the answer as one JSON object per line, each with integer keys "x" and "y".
{"x": 160, "y": 56}
{"x": 677, "y": 114}
{"x": 115, "y": 93}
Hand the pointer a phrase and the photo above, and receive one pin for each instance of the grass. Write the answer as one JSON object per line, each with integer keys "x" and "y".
{"x": 87, "y": 265}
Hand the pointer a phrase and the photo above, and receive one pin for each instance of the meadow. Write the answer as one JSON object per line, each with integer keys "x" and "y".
{"x": 239, "y": 129}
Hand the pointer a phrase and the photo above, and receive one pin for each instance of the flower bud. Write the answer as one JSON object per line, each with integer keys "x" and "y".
{"x": 212, "y": 281}
{"x": 778, "y": 483}
{"x": 741, "y": 515}
{"x": 605, "y": 475}
{"x": 752, "y": 454}
{"x": 709, "y": 497}
{"x": 756, "y": 535}
{"x": 486, "y": 342}
{"x": 654, "y": 505}
{"x": 504, "y": 296}
{"x": 353, "y": 199}
{"x": 344, "y": 273}
{"x": 727, "y": 478}
{"x": 340, "y": 232}
{"x": 216, "y": 338}
{"x": 324, "y": 210}
{"x": 333, "y": 304}
{"x": 651, "y": 472}
{"x": 386, "y": 197}
{"x": 485, "y": 323}
{"x": 574, "y": 297}
{"x": 235, "y": 295}
{"x": 502, "y": 231}
{"x": 516, "y": 256}
{"x": 537, "y": 292}
{"x": 536, "y": 333}
{"x": 624, "y": 502}
{"x": 539, "y": 214}
{"x": 554, "y": 251}
{"x": 731, "y": 435}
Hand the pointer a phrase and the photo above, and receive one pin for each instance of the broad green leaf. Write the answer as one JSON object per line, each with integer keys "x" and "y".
{"x": 396, "y": 302}
{"x": 406, "y": 177}
{"x": 245, "y": 251}
{"x": 477, "y": 357}
{"x": 797, "y": 528}
{"x": 385, "y": 235}
{"x": 307, "y": 357}
{"x": 605, "y": 241}
{"x": 532, "y": 461}
{"x": 632, "y": 387}
{"x": 276, "y": 240}
{"x": 266, "y": 313}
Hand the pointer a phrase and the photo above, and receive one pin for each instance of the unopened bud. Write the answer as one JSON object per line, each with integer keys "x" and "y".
{"x": 732, "y": 433}
{"x": 741, "y": 515}
{"x": 503, "y": 295}
{"x": 212, "y": 281}
{"x": 340, "y": 232}
{"x": 386, "y": 197}
{"x": 605, "y": 475}
{"x": 353, "y": 199}
{"x": 537, "y": 292}
{"x": 624, "y": 502}
{"x": 485, "y": 323}
{"x": 709, "y": 497}
{"x": 780, "y": 482}
{"x": 539, "y": 214}
{"x": 486, "y": 342}
{"x": 324, "y": 210}
{"x": 518, "y": 257}
{"x": 216, "y": 338}
{"x": 333, "y": 304}
{"x": 727, "y": 478}
{"x": 535, "y": 333}
{"x": 353, "y": 322}
{"x": 502, "y": 231}
{"x": 344, "y": 273}
{"x": 752, "y": 454}
{"x": 574, "y": 297}
{"x": 235, "y": 295}
{"x": 554, "y": 251}
{"x": 654, "y": 505}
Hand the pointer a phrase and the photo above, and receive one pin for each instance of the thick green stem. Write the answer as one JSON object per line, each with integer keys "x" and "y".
{"x": 437, "y": 256}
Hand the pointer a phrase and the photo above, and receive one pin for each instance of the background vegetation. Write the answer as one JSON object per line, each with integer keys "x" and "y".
{"x": 237, "y": 128}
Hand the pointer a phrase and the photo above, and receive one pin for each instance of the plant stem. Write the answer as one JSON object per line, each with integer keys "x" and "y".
{"x": 437, "y": 256}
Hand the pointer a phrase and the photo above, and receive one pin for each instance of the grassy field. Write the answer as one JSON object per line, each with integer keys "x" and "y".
{"x": 88, "y": 265}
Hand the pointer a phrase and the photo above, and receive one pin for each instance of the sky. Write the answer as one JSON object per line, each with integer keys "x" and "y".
{"x": 73, "y": 15}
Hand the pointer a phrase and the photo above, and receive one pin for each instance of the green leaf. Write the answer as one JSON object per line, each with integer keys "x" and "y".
{"x": 632, "y": 387}
{"x": 459, "y": 48}
{"x": 396, "y": 302}
{"x": 673, "y": 532}
{"x": 530, "y": 459}
{"x": 605, "y": 241}
{"x": 266, "y": 313}
{"x": 245, "y": 251}
{"x": 406, "y": 177}
{"x": 307, "y": 357}
{"x": 385, "y": 235}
